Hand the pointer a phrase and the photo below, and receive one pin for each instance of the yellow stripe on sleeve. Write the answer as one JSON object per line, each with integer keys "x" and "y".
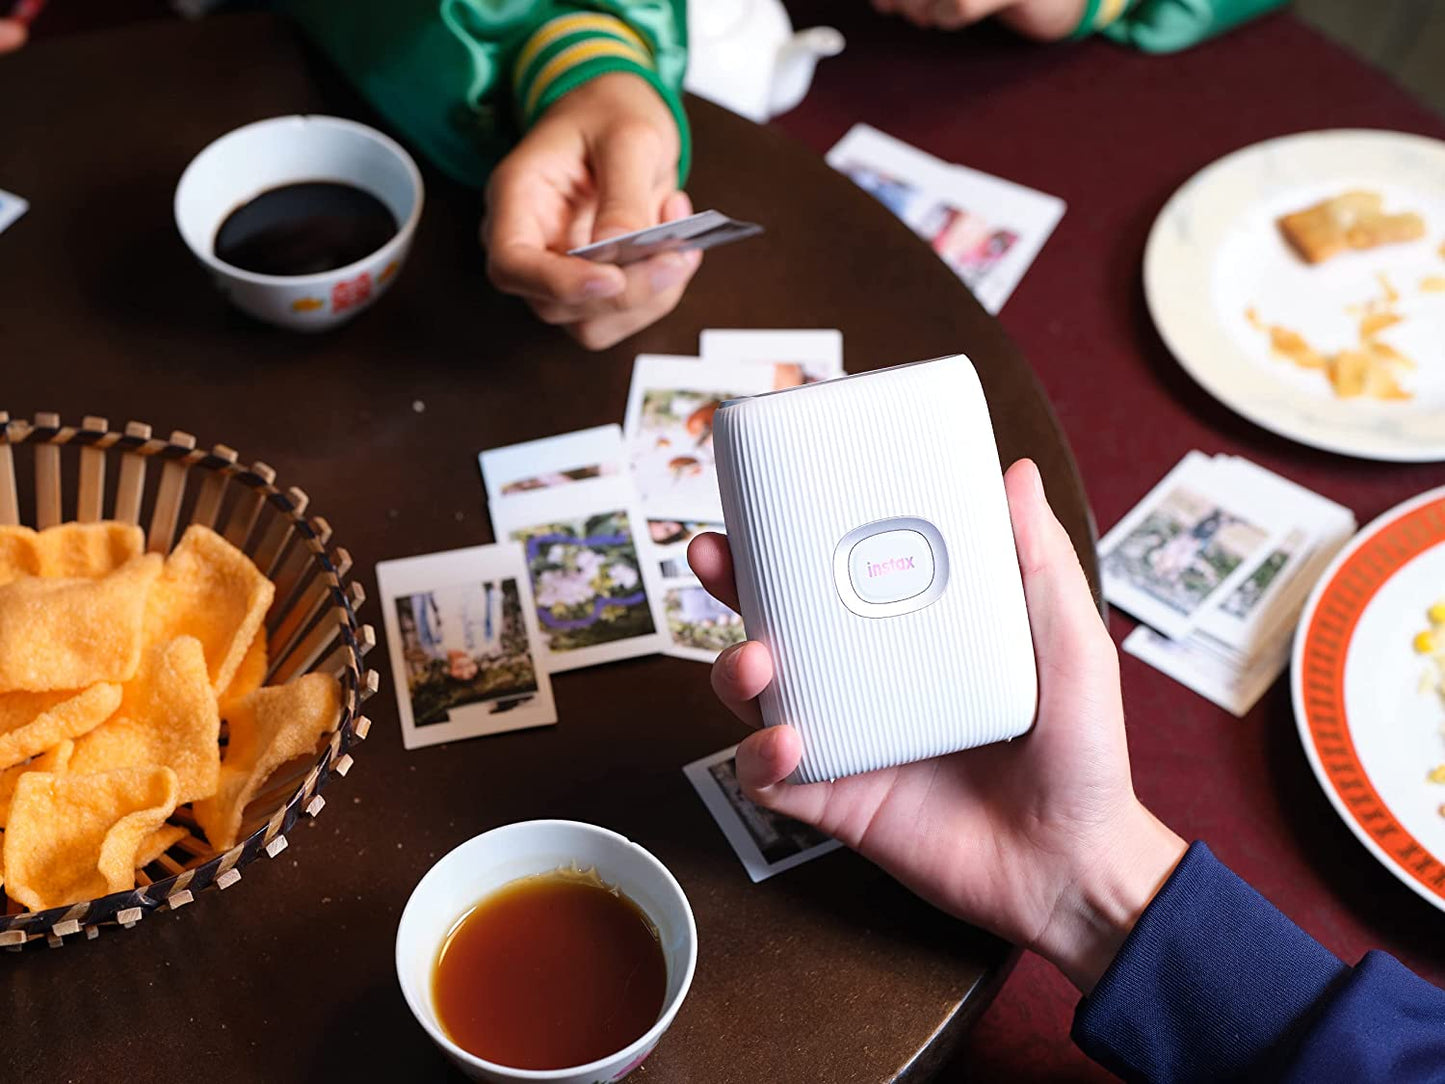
{"x": 577, "y": 54}
{"x": 562, "y": 25}
{"x": 1109, "y": 10}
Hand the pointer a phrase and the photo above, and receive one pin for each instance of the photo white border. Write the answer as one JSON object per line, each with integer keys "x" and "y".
{"x": 480, "y": 564}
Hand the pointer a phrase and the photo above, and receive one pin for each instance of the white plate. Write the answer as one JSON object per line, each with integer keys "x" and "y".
{"x": 1371, "y": 732}
{"x": 1214, "y": 251}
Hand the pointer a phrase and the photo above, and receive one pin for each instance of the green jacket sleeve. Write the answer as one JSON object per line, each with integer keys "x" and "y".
{"x": 1166, "y": 26}
{"x": 462, "y": 79}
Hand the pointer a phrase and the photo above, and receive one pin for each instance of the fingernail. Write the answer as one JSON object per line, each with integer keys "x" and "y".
{"x": 601, "y": 287}
{"x": 671, "y": 270}
{"x": 733, "y": 662}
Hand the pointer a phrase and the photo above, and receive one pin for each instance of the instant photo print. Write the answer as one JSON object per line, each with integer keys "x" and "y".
{"x": 875, "y": 560}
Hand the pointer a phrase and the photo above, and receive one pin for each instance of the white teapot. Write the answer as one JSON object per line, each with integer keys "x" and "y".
{"x": 744, "y": 55}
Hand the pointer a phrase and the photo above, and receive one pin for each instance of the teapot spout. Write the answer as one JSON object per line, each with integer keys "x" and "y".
{"x": 793, "y": 69}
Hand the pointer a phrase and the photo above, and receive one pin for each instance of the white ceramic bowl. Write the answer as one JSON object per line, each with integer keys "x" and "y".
{"x": 284, "y": 150}
{"x": 485, "y": 863}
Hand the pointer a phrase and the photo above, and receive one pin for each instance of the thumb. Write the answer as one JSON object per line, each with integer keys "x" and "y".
{"x": 1070, "y": 640}
{"x": 625, "y": 170}
{"x": 12, "y": 35}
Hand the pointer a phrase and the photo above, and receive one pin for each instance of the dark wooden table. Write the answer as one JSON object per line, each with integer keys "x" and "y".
{"x": 1115, "y": 132}
{"x": 830, "y": 972}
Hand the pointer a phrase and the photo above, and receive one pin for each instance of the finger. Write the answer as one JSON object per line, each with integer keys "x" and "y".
{"x": 739, "y": 676}
{"x": 551, "y": 278}
{"x": 917, "y": 12}
{"x": 712, "y": 562}
{"x": 601, "y": 332}
{"x": 652, "y": 289}
{"x": 13, "y": 34}
{"x": 1068, "y": 633}
{"x": 678, "y": 205}
{"x": 519, "y": 261}
{"x": 626, "y": 171}
{"x": 767, "y": 758}
{"x": 950, "y": 15}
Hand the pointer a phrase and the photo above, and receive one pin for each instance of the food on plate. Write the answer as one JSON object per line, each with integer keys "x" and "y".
{"x": 1353, "y": 220}
{"x": 1433, "y": 284}
{"x": 1430, "y": 642}
{"x": 116, "y": 670}
{"x": 1367, "y": 370}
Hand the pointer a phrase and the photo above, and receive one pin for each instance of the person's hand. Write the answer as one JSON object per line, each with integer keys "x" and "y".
{"x": 1046, "y": 20}
{"x": 602, "y": 161}
{"x": 13, "y": 34}
{"x": 1040, "y": 840}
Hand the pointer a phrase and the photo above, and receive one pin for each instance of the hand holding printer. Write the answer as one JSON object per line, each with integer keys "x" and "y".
{"x": 1040, "y": 840}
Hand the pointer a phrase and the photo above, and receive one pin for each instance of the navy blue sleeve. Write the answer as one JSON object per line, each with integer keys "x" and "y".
{"x": 1213, "y": 983}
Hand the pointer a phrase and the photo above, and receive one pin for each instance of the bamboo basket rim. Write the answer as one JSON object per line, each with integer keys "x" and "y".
{"x": 334, "y": 602}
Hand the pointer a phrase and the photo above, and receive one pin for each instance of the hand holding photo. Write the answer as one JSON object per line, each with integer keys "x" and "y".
{"x": 765, "y": 842}
{"x": 462, "y": 634}
{"x": 704, "y": 230}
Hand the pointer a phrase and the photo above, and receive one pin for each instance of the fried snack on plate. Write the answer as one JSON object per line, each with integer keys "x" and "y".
{"x": 31, "y": 723}
{"x": 1352, "y": 220}
{"x": 158, "y": 843}
{"x": 214, "y": 592}
{"x": 268, "y": 728}
{"x": 74, "y": 837}
{"x": 71, "y": 633}
{"x": 249, "y": 676}
{"x": 167, "y": 715}
{"x": 52, "y": 760}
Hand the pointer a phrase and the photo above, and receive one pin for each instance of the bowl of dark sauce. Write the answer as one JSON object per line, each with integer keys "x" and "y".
{"x": 302, "y": 221}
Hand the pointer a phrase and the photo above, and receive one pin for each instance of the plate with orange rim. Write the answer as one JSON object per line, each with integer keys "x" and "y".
{"x": 1369, "y": 702}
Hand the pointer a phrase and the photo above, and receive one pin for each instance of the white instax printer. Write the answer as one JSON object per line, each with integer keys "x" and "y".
{"x": 875, "y": 560}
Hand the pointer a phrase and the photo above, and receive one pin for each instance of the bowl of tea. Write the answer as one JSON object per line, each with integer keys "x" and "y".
{"x": 302, "y": 221}
{"x": 546, "y": 951}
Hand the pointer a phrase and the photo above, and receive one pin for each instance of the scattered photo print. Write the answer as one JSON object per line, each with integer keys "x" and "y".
{"x": 795, "y": 355}
{"x": 465, "y": 644}
{"x": 556, "y": 478}
{"x": 461, "y": 635}
{"x": 1183, "y": 550}
{"x": 765, "y": 842}
{"x": 586, "y": 581}
{"x": 672, "y": 455}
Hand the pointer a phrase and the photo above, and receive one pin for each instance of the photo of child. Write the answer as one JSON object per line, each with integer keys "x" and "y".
{"x": 465, "y": 644}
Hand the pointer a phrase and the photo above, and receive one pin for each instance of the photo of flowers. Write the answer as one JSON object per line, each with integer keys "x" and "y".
{"x": 587, "y": 581}
{"x": 465, "y": 644}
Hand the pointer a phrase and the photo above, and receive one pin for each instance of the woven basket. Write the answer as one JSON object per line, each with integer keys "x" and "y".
{"x": 311, "y": 625}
